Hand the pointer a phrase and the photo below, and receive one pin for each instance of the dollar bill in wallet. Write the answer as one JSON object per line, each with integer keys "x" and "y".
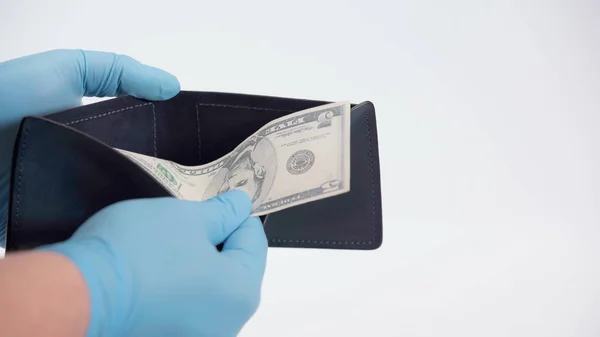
{"x": 296, "y": 159}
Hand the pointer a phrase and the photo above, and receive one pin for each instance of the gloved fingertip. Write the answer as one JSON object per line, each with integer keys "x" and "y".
{"x": 171, "y": 87}
{"x": 239, "y": 200}
{"x": 163, "y": 85}
{"x": 146, "y": 82}
{"x": 224, "y": 213}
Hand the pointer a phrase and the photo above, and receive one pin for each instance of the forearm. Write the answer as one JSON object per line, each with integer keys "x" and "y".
{"x": 42, "y": 294}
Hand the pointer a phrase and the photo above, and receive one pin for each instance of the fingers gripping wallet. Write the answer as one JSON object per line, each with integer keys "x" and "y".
{"x": 65, "y": 167}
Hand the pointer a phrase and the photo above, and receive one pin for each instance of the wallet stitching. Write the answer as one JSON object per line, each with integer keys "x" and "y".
{"x": 107, "y": 113}
{"x": 372, "y": 174}
{"x": 154, "y": 129}
{"x": 121, "y": 110}
{"x": 240, "y": 107}
{"x": 198, "y": 131}
{"x": 19, "y": 179}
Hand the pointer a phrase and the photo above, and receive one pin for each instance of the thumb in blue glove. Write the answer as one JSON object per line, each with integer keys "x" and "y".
{"x": 55, "y": 80}
{"x": 152, "y": 268}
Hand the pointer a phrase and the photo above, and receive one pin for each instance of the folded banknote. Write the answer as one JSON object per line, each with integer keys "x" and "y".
{"x": 298, "y": 158}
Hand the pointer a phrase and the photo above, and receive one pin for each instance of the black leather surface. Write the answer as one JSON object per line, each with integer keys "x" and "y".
{"x": 64, "y": 167}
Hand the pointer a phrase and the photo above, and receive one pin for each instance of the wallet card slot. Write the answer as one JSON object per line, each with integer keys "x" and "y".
{"x": 222, "y": 127}
{"x": 131, "y": 127}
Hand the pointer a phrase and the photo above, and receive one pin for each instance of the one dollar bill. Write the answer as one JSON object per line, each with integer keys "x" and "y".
{"x": 296, "y": 159}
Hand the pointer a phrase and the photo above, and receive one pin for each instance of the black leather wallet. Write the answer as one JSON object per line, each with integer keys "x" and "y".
{"x": 65, "y": 168}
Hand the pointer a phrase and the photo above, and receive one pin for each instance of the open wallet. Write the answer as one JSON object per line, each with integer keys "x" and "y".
{"x": 65, "y": 166}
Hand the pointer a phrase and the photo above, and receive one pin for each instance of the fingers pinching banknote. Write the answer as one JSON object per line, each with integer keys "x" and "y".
{"x": 295, "y": 159}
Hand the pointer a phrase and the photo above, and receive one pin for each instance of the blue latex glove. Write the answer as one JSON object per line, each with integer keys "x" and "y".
{"x": 153, "y": 270}
{"x": 150, "y": 265}
{"x": 56, "y": 80}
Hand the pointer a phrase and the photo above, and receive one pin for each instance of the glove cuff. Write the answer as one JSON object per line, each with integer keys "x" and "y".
{"x": 105, "y": 282}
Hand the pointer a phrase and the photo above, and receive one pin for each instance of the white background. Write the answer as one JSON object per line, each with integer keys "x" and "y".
{"x": 488, "y": 117}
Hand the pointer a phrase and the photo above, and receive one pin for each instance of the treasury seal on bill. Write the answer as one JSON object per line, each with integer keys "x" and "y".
{"x": 300, "y": 162}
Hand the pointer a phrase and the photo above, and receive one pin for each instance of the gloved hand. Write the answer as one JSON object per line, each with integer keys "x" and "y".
{"x": 150, "y": 265}
{"x": 56, "y": 80}
{"x": 153, "y": 270}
